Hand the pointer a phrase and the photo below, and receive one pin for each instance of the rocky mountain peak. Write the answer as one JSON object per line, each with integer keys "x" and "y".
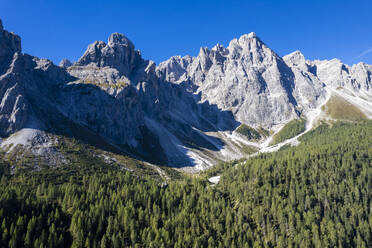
{"x": 9, "y": 42}
{"x": 9, "y": 45}
{"x": 65, "y": 63}
{"x": 247, "y": 78}
{"x": 295, "y": 59}
{"x": 218, "y": 47}
{"x": 92, "y": 54}
{"x": 119, "y": 39}
{"x": 246, "y": 41}
{"x": 118, "y": 53}
{"x": 248, "y": 37}
{"x": 251, "y": 49}
{"x": 1, "y": 25}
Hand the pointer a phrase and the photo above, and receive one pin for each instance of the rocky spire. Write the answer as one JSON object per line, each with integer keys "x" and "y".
{"x": 65, "y": 63}
{"x": 92, "y": 54}
{"x": 296, "y": 59}
{"x": 9, "y": 45}
{"x": 250, "y": 36}
{"x": 118, "y": 53}
{"x": 9, "y": 42}
{"x": 119, "y": 39}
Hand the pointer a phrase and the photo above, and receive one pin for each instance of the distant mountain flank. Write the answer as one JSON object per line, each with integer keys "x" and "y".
{"x": 187, "y": 112}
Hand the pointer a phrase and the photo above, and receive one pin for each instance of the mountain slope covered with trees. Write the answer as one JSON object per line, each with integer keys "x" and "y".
{"x": 314, "y": 195}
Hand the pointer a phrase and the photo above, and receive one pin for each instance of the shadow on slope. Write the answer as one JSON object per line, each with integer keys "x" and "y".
{"x": 181, "y": 118}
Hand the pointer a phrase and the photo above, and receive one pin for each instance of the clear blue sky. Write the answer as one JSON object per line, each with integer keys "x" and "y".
{"x": 320, "y": 29}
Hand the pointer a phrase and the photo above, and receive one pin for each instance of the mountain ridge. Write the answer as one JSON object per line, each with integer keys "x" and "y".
{"x": 183, "y": 112}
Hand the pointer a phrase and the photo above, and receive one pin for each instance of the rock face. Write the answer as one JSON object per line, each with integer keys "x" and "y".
{"x": 112, "y": 92}
{"x": 247, "y": 77}
{"x": 9, "y": 45}
{"x": 170, "y": 121}
{"x": 13, "y": 106}
{"x": 118, "y": 53}
{"x": 336, "y": 74}
{"x": 309, "y": 90}
{"x": 181, "y": 113}
{"x": 37, "y": 94}
{"x": 65, "y": 63}
{"x": 258, "y": 86}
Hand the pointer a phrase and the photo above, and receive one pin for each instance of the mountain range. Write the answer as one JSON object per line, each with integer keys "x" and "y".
{"x": 187, "y": 112}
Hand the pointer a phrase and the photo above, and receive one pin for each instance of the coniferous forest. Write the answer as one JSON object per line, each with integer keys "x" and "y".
{"x": 317, "y": 194}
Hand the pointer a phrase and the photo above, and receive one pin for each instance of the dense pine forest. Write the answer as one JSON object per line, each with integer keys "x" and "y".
{"x": 317, "y": 194}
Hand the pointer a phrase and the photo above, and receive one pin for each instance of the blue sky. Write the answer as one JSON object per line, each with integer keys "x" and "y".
{"x": 160, "y": 29}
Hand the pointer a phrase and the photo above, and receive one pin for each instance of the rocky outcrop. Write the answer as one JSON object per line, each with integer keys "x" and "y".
{"x": 331, "y": 77}
{"x": 118, "y": 53}
{"x": 65, "y": 63}
{"x": 9, "y": 45}
{"x": 308, "y": 88}
{"x": 13, "y": 105}
{"x": 337, "y": 74}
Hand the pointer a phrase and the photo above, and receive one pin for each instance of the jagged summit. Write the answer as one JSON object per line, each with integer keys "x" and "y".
{"x": 119, "y": 39}
{"x": 247, "y": 41}
{"x": 92, "y": 54}
{"x": 218, "y": 47}
{"x": 9, "y": 42}
{"x": 295, "y": 58}
{"x": 65, "y": 63}
{"x": 118, "y": 53}
{"x": 247, "y": 77}
{"x": 249, "y": 36}
{"x": 1, "y": 25}
{"x": 181, "y": 113}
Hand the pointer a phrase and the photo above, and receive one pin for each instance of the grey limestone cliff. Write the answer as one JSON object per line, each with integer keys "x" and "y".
{"x": 180, "y": 113}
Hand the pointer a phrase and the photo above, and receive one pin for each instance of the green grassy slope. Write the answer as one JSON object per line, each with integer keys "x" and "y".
{"x": 78, "y": 155}
{"x": 339, "y": 109}
{"x": 248, "y": 132}
{"x": 290, "y": 130}
{"x": 251, "y": 133}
